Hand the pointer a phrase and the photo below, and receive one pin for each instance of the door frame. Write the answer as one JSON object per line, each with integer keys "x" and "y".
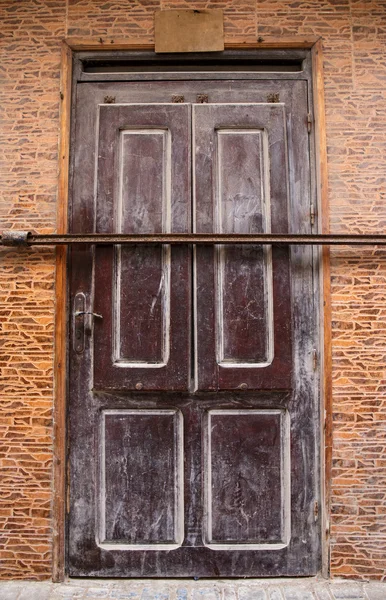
{"x": 69, "y": 48}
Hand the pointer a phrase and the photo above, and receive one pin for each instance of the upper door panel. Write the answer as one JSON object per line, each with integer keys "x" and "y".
{"x": 243, "y": 295}
{"x": 143, "y": 186}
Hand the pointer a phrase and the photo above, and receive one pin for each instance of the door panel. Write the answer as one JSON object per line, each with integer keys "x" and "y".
{"x": 244, "y": 274}
{"x": 213, "y": 478}
{"x": 143, "y": 186}
{"x": 141, "y": 458}
{"x": 243, "y": 297}
{"x": 142, "y": 278}
{"x": 247, "y": 475}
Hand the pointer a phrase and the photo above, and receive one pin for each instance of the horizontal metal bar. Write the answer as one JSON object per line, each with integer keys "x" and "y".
{"x": 31, "y": 239}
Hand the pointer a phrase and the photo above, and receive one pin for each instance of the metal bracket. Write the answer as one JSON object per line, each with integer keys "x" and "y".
{"x": 274, "y": 97}
{"x": 314, "y": 359}
{"x": 312, "y": 213}
{"x": 15, "y": 237}
{"x": 309, "y": 122}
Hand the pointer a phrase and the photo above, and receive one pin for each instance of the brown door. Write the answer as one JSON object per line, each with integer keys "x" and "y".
{"x": 193, "y": 412}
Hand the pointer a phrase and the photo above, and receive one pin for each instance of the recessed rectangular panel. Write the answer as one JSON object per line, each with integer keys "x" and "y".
{"x": 141, "y": 486}
{"x": 143, "y": 274}
{"x": 247, "y": 472}
{"x": 244, "y": 282}
{"x": 242, "y": 294}
{"x": 142, "y": 292}
{"x": 145, "y": 169}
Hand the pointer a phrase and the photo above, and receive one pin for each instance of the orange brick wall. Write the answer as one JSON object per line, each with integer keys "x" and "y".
{"x": 354, "y": 35}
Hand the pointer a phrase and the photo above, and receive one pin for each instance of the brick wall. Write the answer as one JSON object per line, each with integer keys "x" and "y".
{"x": 354, "y": 35}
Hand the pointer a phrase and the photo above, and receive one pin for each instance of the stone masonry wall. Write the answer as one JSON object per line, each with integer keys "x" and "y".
{"x": 354, "y": 36}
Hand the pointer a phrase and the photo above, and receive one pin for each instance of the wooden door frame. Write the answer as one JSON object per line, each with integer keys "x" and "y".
{"x": 60, "y": 500}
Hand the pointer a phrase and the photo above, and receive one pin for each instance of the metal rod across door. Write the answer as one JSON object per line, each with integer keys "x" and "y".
{"x": 25, "y": 238}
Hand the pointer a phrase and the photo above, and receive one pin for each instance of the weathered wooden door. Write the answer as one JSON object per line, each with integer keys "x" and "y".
{"x": 193, "y": 409}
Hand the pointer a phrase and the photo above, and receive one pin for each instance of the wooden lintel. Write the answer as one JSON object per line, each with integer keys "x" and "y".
{"x": 269, "y": 43}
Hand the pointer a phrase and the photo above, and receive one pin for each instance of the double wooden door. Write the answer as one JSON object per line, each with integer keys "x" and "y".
{"x": 193, "y": 421}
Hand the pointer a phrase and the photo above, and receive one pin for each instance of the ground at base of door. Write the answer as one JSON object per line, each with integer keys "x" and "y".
{"x": 251, "y": 589}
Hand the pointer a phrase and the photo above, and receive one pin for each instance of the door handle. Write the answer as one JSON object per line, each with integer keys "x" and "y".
{"x": 79, "y": 325}
{"x": 79, "y": 313}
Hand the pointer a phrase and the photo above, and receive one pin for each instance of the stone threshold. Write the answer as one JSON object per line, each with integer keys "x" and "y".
{"x": 188, "y": 589}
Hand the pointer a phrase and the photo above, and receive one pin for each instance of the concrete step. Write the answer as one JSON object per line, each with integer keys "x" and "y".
{"x": 172, "y": 589}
